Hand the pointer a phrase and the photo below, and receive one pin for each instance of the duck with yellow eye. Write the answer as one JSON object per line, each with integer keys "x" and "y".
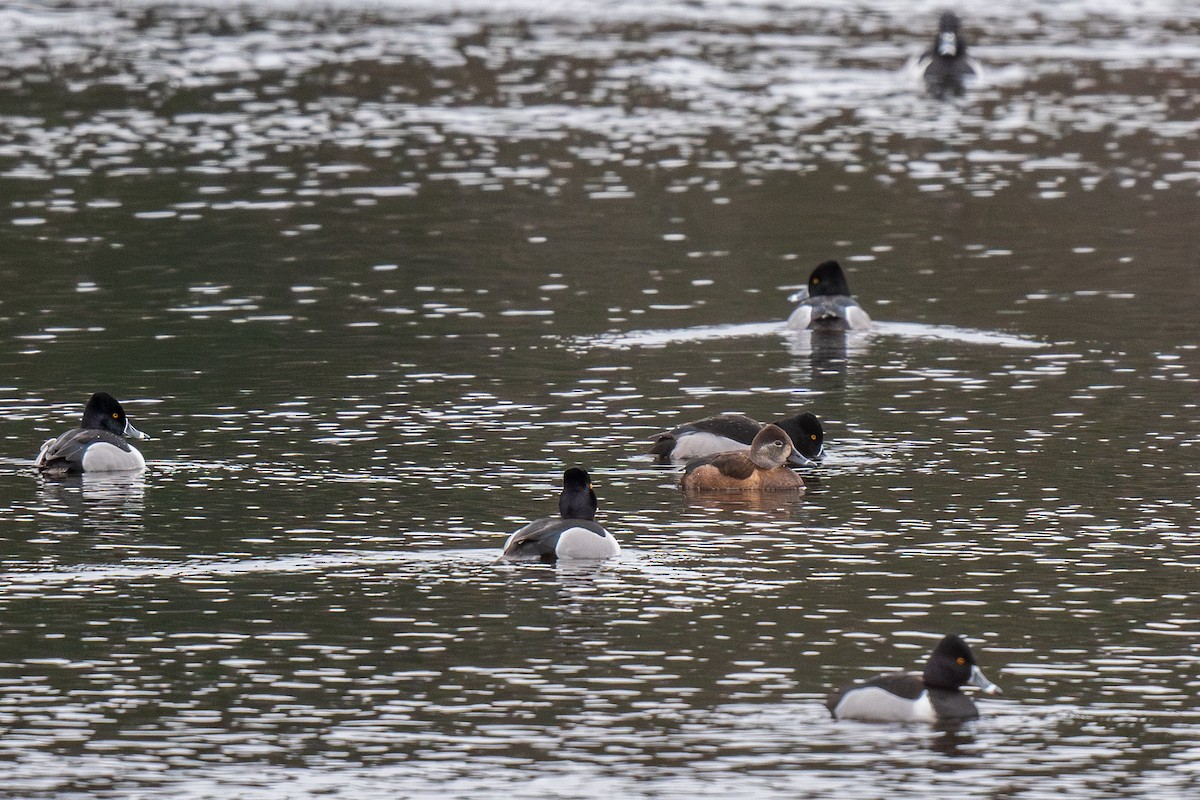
{"x": 764, "y": 468}
{"x": 826, "y": 303}
{"x": 97, "y": 445}
{"x": 723, "y": 433}
{"x": 930, "y": 696}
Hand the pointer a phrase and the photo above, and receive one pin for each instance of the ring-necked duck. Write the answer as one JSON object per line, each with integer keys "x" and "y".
{"x": 826, "y": 303}
{"x": 725, "y": 433}
{"x": 97, "y": 445}
{"x": 911, "y": 697}
{"x": 764, "y": 468}
{"x": 574, "y": 534}
{"x": 945, "y": 67}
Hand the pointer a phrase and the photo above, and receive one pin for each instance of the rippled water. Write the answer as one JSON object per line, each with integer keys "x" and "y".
{"x": 373, "y": 273}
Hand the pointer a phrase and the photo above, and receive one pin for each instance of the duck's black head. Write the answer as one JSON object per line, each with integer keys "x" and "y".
{"x": 952, "y": 666}
{"x": 828, "y": 279}
{"x": 577, "y": 500}
{"x": 104, "y": 413}
{"x": 949, "y": 42}
{"x": 807, "y": 435}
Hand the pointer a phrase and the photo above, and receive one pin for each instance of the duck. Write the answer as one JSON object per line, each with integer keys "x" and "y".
{"x": 97, "y": 445}
{"x": 724, "y": 433}
{"x": 930, "y": 696}
{"x": 574, "y": 534}
{"x": 764, "y": 468}
{"x": 945, "y": 67}
{"x": 826, "y": 303}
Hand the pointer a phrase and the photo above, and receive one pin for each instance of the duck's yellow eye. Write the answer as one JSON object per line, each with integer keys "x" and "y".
{"x": 813, "y": 436}
{"x": 960, "y": 661}
{"x": 116, "y": 416}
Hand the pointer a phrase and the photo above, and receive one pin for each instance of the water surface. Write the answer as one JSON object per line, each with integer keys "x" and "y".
{"x": 374, "y": 274}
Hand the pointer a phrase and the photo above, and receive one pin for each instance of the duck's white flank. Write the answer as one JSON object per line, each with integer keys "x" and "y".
{"x": 581, "y": 543}
{"x": 104, "y": 457}
{"x": 699, "y": 443}
{"x": 874, "y": 704}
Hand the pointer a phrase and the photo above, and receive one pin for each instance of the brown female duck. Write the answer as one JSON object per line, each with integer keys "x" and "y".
{"x": 762, "y": 469}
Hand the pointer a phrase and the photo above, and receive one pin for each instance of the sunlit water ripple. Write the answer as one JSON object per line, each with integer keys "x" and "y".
{"x": 372, "y": 274}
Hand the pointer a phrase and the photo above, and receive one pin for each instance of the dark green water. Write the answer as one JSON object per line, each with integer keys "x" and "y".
{"x": 373, "y": 274}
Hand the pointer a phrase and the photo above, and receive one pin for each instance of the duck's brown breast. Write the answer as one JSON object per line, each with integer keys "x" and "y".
{"x": 735, "y": 472}
{"x": 780, "y": 478}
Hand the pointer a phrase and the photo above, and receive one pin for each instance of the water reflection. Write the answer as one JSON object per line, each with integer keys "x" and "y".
{"x": 954, "y": 740}
{"x": 776, "y": 505}
{"x": 489, "y": 244}
{"x": 111, "y": 502}
{"x": 826, "y": 352}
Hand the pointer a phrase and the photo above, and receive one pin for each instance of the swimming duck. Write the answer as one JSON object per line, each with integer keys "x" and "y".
{"x": 910, "y": 697}
{"x": 724, "y": 433}
{"x": 762, "y": 469}
{"x": 573, "y": 534}
{"x": 97, "y": 445}
{"x": 826, "y": 303}
{"x": 945, "y": 67}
